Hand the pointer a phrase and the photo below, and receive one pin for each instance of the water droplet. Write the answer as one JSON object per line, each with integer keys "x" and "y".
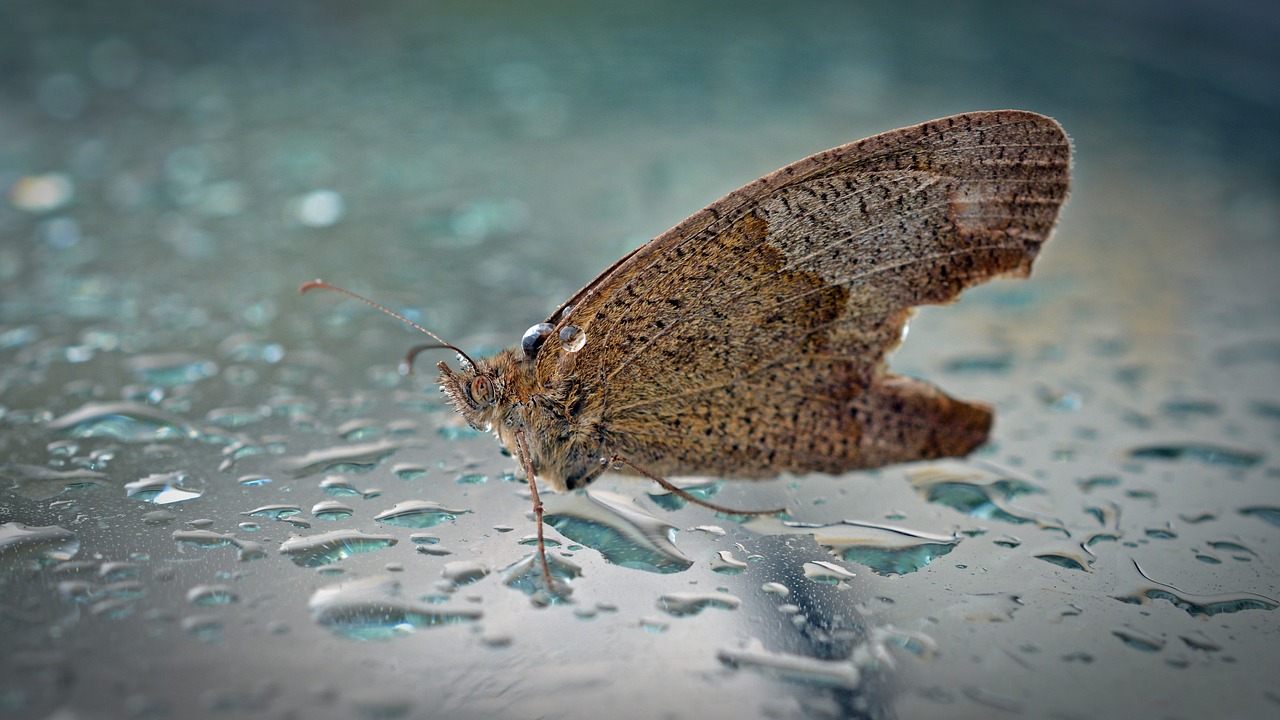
{"x": 346, "y": 458}
{"x": 275, "y": 512}
{"x": 1206, "y": 453}
{"x": 417, "y": 514}
{"x": 373, "y": 609}
{"x": 162, "y": 489}
{"x": 36, "y": 482}
{"x": 534, "y": 337}
{"x": 1267, "y": 513}
{"x": 682, "y": 604}
{"x": 330, "y": 547}
{"x": 572, "y": 338}
{"x": 212, "y": 595}
{"x": 1192, "y": 603}
{"x": 619, "y": 531}
{"x": 463, "y": 572}
{"x": 124, "y": 421}
{"x": 207, "y": 628}
{"x": 726, "y": 564}
{"x": 827, "y": 572}
{"x": 235, "y": 417}
{"x": 472, "y": 479}
{"x": 331, "y": 510}
{"x": 409, "y": 472}
{"x": 22, "y": 545}
{"x": 171, "y": 369}
{"x": 1138, "y": 640}
{"x": 885, "y": 549}
{"x": 776, "y": 589}
{"x": 979, "y": 494}
{"x": 792, "y": 668}
{"x": 701, "y": 488}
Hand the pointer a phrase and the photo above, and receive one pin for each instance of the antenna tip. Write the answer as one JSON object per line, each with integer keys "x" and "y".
{"x": 311, "y": 285}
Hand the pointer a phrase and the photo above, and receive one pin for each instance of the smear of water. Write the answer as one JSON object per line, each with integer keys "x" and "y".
{"x": 123, "y": 421}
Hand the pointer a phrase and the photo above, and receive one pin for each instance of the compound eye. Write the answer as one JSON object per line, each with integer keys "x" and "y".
{"x": 534, "y": 337}
{"x": 482, "y": 390}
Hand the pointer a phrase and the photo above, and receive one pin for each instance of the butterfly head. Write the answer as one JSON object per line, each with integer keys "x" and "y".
{"x": 476, "y": 391}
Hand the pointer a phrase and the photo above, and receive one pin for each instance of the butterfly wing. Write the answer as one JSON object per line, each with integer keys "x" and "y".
{"x": 751, "y": 338}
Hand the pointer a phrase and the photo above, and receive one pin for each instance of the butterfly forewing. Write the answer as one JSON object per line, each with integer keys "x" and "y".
{"x": 751, "y": 338}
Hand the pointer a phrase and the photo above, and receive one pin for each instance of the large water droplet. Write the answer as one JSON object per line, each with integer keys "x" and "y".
{"x": 330, "y": 547}
{"x": 620, "y": 532}
{"x": 373, "y": 609}
{"x": 572, "y": 338}
{"x": 124, "y": 421}
{"x": 36, "y": 482}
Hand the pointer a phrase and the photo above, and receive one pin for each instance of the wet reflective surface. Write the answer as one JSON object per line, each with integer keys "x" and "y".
{"x": 220, "y": 499}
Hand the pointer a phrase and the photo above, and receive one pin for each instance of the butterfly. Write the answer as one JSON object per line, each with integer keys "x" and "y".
{"x": 752, "y": 338}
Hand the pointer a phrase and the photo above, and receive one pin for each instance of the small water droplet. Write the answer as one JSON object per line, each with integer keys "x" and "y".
{"x": 275, "y": 512}
{"x": 212, "y": 595}
{"x": 331, "y": 510}
{"x": 572, "y": 338}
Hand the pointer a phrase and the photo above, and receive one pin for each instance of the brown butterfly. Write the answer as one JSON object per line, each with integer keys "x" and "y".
{"x": 751, "y": 339}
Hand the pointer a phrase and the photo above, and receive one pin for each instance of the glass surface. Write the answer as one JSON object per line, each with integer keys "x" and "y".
{"x": 218, "y": 498}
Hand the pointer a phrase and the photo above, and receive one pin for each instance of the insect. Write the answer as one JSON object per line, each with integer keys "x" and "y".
{"x": 752, "y": 338}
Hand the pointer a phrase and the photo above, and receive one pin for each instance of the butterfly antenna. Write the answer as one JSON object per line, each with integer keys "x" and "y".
{"x": 322, "y": 285}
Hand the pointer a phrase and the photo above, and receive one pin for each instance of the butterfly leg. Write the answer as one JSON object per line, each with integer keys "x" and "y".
{"x": 684, "y": 495}
{"x": 525, "y": 459}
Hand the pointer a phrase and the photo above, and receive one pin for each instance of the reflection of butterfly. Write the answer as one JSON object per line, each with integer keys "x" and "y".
{"x": 751, "y": 339}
